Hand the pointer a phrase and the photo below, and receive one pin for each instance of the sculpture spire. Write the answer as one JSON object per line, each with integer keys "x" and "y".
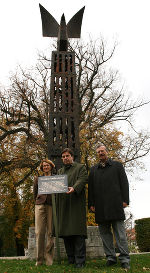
{"x": 64, "y": 114}
{"x": 51, "y": 28}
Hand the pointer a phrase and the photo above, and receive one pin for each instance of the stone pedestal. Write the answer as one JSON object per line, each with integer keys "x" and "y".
{"x": 31, "y": 253}
{"x": 94, "y": 247}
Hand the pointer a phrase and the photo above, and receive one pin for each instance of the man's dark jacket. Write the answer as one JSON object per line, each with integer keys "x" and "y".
{"x": 108, "y": 189}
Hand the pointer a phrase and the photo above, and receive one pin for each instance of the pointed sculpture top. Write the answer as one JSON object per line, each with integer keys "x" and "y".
{"x": 51, "y": 28}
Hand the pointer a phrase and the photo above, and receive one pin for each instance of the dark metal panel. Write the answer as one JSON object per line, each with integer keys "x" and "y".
{"x": 74, "y": 25}
{"x": 63, "y": 81}
{"x": 50, "y": 27}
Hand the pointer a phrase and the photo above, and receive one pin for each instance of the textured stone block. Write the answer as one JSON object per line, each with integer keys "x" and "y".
{"x": 94, "y": 247}
{"x": 31, "y": 243}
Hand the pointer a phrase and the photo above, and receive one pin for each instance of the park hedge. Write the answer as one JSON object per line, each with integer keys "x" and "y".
{"x": 142, "y": 231}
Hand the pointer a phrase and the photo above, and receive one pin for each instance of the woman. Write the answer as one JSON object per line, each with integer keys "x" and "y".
{"x": 43, "y": 218}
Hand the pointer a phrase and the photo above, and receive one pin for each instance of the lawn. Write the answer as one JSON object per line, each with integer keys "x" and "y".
{"x": 139, "y": 263}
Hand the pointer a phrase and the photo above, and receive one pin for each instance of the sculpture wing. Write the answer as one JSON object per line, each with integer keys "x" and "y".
{"x": 74, "y": 25}
{"x": 50, "y": 26}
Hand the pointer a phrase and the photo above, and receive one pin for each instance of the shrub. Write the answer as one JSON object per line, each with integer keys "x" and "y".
{"x": 142, "y": 229}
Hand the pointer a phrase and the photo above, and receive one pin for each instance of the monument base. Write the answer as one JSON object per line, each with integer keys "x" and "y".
{"x": 94, "y": 246}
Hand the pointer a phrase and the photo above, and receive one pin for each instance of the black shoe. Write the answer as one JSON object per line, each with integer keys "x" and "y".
{"x": 71, "y": 262}
{"x": 125, "y": 265}
{"x": 110, "y": 263}
{"x": 79, "y": 265}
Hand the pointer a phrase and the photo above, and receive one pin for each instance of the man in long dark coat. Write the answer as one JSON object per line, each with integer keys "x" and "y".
{"x": 71, "y": 210}
{"x": 108, "y": 196}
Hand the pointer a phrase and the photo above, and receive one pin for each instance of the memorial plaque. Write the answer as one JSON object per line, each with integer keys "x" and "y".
{"x": 52, "y": 184}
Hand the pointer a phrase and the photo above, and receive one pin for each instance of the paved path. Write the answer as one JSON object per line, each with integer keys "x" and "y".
{"x": 26, "y": 257}
{"x": 14, "y": 258}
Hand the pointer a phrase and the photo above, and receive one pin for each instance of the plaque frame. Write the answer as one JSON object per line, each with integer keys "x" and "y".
{"x": 52, "y": 184}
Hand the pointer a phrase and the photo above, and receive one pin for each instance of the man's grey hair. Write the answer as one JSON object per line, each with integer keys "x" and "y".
{"x": 100, "y": 145}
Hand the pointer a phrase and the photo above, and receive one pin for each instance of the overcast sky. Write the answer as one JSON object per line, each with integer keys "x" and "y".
{"x": 126, "y": 21}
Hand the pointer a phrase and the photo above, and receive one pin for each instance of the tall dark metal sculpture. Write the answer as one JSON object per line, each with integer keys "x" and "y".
{"x": 64, "y": 99}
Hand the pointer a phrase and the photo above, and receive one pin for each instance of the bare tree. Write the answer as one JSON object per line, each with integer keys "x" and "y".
{"x": 24, "y": 108}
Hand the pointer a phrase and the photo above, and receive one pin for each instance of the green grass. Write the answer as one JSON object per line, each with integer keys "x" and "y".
{"x": 139, "y": 263}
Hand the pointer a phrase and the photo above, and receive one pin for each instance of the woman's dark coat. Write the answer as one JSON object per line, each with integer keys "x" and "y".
{"x": 40, "y": 198}
{"x": 108, "y": 188}
{"x": 71, "y": 208}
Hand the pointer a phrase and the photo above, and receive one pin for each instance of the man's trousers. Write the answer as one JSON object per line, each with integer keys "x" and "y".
{"x": 43, "y": 232}
{"x": 108, "y": 242}
{"x": 75, "y": 249}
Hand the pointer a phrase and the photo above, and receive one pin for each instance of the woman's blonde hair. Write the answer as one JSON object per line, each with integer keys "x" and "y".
{"x": 47, "y": 161}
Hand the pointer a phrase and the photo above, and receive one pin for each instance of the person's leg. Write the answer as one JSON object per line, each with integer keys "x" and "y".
{"x": 121, "y": 240}
{"x": 40, "y": 229}
{"x": 80, "y": 250}
{"x": 108, "y": 244}
{"x": 49, "y": 250}
{"x": 70, "y": 250}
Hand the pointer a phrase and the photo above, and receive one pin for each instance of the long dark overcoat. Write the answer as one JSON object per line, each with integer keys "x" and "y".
{"x": 71, "y": 208}
{"x": 107, "y": 190}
